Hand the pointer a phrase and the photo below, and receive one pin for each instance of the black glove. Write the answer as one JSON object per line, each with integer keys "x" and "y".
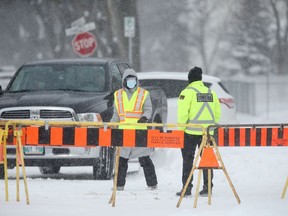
{"x": 143, "y": 119}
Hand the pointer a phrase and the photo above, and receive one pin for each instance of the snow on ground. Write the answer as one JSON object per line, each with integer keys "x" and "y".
{"x": 258, "y": 174}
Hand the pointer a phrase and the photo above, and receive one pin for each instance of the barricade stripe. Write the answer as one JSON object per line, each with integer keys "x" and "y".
{"x": 274, "y": 136}
{"x": 44, "y": 136}
{"x": 280, "y": 133}
{"x": 253, "y": 137}
{"x": 220, "y": 136}
{"x": 105, "y": 137}
{"x": 242, "y": 137}
{"x": 247, "y": 136}
{"x": 141, "y": 138}
{"x": 269, "y": 137}
{"x": 80, "y": 137}
{"x": 68, "y": 136}
{"x": 237, "y": 136}
{"x": 129, "y": 137}
{"x": 231, "y": 137}
{"x": 116, "y": 137}
{"x": 258, "y": 136}
{"x": 32, "y": 135}
{"x": 23, "y": 138}
{"x": 285, "y": 135}
{"x": 92, "y": 136}
{"x": 56, "y": 134}
{"x": 263, "y": 137}
{"x": 226, "y": 137}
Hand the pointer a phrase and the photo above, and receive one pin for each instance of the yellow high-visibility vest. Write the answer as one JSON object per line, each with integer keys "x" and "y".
{"x": 198, "y": 104}
{"x": 130, "y": 111}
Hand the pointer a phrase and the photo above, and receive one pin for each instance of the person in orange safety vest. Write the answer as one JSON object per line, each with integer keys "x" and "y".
{"x": 132, "y": 104}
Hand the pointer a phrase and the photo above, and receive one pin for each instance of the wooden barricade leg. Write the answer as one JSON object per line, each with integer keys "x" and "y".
{"x": 204, "y": 141}
{"x": 225, "y": 171}
{"x": 197, "y": 188}
{"x": 3, "y": 160}
{"x": 4, "y": 135}
{"x": 209, "y": 187}
{"x": 17, "y": 173}
{"x": 284, "y": 189}
{"x": 20, "y": 158}
{"x": 113, "y": 196}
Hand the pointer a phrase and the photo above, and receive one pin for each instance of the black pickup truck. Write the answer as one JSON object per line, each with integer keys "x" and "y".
{"x": 69, "y": 90}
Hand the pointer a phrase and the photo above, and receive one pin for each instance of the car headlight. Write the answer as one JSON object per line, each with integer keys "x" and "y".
{"x": 89, "y": 117}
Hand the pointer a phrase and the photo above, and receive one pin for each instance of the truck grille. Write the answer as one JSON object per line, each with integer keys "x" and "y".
{"x": 48, "y": 114}
{"x": 39, "y": 114}
{"x": 16, "y": 114}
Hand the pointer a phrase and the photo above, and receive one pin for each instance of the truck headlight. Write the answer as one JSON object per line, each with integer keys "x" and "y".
{"x": 89, "y": 117}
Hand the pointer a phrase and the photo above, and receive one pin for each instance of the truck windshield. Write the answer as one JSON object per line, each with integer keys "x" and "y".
{"x": 88, "y": 78}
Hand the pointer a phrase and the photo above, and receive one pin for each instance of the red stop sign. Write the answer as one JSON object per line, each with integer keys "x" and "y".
{"x": 84, "y": 44}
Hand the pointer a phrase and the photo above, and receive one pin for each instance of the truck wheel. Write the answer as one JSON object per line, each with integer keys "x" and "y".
{"x": 1, "y": 171}
{"x": 103, "y": 170}
{"x": 49, "y": 170}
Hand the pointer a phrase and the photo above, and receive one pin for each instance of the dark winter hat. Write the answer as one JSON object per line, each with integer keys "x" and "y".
{"x": 195, "y": 74}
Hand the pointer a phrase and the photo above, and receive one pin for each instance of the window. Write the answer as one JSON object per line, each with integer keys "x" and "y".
{"x": 116, "y": 78}
{"x": 90, "y": 78}
{"x": 172, "y": 88}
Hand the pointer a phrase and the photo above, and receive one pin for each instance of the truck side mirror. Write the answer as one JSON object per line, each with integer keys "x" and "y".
{"x": 1, "y": 90}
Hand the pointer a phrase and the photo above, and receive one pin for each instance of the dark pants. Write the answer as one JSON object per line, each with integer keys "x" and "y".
{"x": 188, "y": 153}
{"x": 148, "y": 168}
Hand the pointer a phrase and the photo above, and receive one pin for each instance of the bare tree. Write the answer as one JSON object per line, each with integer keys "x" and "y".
{"x": 164, "y": 35}
{"x": 36, "y": 29}
{"x": 207, "y": 27}
{"x": 280, "y": 15}
{"x": 258, "y": 34}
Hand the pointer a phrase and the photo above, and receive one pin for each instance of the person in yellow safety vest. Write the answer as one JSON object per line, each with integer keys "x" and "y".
{"x": 132, "y": 104}
{"x": 197, "y": 104}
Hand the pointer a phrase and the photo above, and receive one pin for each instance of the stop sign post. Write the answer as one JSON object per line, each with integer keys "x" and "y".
{"x": 84, "y": 44}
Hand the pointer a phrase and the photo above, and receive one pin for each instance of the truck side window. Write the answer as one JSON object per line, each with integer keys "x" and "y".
{"x": 116, "y": 78}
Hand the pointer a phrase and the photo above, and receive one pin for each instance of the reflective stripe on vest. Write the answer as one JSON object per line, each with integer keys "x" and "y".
{"x": 196, "y": 118}
{"x": 139, "y": 99}
{"x": 120, "y": 104}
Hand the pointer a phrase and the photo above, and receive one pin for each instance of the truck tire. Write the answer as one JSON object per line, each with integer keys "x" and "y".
{"x": 1, "y": 171}
{"x": 103, "y": 170}
{"x": 50, "y": 170}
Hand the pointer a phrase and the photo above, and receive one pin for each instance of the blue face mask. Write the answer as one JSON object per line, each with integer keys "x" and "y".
{"x": 131, "y": 83}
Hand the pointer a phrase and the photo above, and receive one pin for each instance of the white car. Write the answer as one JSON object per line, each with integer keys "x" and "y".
{"x": 173, "y": 83}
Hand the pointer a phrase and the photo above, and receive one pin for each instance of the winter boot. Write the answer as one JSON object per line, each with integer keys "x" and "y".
{"x": 187, "y": 193}
{"x": 120, "y": 188}
{"x": 204, "y": 191}
{"x": 152, "y": 187}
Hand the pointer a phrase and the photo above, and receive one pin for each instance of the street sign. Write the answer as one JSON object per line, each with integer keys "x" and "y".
{"x": 84, "y": 44}
{"x": 129, "y": 27}
{"x": 76, "y": 29}
{"x": 78, "y": 22}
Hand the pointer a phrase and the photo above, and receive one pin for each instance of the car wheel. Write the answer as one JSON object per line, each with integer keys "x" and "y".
{"x": 50, "y": 170}
{"x": 1, "y": 171}
{"x": 103, "y": 170}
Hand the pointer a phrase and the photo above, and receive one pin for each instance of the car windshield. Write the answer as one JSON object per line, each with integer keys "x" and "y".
{"x": 172, "y": 88}
{"x": 87, "y": 78}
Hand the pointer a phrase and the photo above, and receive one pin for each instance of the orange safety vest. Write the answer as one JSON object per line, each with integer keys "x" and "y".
{"x": 130, "y": 111}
